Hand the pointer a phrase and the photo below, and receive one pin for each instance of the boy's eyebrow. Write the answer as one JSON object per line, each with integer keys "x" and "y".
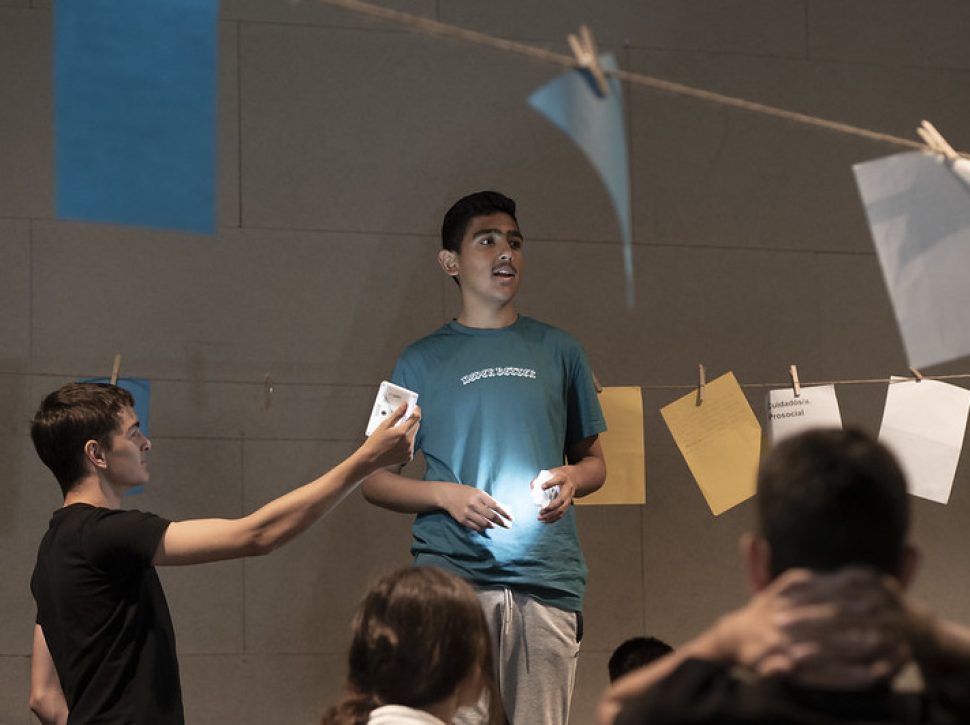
{"x": 510, "y": 232}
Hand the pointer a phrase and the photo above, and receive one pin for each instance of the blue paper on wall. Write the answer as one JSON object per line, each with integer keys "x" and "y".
{"x": 141, "y": 391}
{"x": 595, "y": 124}
{"x": 135, "y": 112}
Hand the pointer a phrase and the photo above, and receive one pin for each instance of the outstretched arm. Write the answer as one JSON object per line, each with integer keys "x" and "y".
{"x": 202, "y": 540}
{"x": 46, "y": 696}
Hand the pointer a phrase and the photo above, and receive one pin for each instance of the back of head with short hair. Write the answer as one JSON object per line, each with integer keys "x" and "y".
{"x": 457, "y": 218}
{"x": 833, "y": 498}
{"x": 417, "y": 636}
{"x": 70, "y": 417}
{"x": 635, "y": 653}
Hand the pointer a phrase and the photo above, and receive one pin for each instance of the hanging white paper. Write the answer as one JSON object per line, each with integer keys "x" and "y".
{"x": 918, "y": 205}
{"x": 788, "y": 415}
{"x": 923, "y": 424}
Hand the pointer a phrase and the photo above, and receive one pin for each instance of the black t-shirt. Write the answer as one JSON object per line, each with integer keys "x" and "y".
{"x": 105, "y": 618}
{"x": 707, "y": 693}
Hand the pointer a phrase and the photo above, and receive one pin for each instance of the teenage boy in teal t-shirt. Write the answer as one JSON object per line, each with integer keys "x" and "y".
{"x": 504, "y": 397}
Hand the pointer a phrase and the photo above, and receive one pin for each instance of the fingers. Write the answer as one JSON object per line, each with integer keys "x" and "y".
{"x": 557, "y": 508}
{"x": 478, "y": 511}
{"x": 395, "y": 417}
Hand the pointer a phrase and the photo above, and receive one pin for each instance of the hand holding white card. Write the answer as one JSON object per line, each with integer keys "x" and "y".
{"x": 389, "y": 397}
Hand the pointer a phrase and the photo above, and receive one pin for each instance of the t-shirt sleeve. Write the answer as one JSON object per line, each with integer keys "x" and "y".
{"x": 406, "y": 376}
{"x": 120, "y": 540}
{"x": 584, "y": 416}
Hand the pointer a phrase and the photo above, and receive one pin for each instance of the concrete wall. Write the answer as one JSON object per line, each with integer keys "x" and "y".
{"x": 342, "y": 141}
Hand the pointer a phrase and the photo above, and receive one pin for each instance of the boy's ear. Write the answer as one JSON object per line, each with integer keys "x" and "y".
{"x": 910, "y": 564}
{"x": 449, "y": 262}
{"x": 756, "y": 560}
{"x": 94, "y": 454}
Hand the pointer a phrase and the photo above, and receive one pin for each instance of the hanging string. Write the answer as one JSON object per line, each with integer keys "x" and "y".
{"x": 436, "y": 28}
{"x": 317, "y": 384}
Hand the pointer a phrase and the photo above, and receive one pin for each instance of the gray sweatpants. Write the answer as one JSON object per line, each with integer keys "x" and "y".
{"x": 535, "y": 648}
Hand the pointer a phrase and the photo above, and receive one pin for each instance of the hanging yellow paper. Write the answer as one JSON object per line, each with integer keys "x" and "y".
{"x": 720, "y": 439}
{"x": 623, "y": 449}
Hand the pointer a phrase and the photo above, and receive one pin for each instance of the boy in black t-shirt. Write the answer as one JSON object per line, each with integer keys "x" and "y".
{"x": 104, "y": 648}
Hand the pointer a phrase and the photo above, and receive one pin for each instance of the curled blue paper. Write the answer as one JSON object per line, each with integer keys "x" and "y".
{"x": 595, "y": 124}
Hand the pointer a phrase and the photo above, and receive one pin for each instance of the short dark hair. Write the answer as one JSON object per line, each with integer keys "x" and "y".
{"x": 635, "y": 653}
{"x": 70, "y": 417}
{"x": 833, "y": 498}
{"x": 457, "y": 218}
{"x": 418, "y": 634}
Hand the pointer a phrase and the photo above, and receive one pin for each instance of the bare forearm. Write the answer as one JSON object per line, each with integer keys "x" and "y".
{"x": 588, "y": 474}
{"x": 940, "y": 647}
{"x": 391, "y": 490}
{"x": 287, "y": 516}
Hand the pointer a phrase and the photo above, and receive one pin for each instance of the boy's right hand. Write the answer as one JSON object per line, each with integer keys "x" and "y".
{"x": 391, "y": 444}
{"x": 472, "y": 508}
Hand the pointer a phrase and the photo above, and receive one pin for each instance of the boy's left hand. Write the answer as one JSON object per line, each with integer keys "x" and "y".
{"x": 557, "y": 508}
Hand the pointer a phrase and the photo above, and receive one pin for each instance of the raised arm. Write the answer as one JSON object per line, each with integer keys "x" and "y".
{"x": 941, "y": 649}
{"x": 202, "y": 540}
{"x": 46, "y": 696}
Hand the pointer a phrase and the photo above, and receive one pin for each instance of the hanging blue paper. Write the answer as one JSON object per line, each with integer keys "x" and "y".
{"x": 595, "y": 124}
{"x": 135, "y": 112}
{"x": 141, "y": 391}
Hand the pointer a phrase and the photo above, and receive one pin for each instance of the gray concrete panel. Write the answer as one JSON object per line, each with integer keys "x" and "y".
{"x": 26, "y": 124}
{"x": 304, "y": 307}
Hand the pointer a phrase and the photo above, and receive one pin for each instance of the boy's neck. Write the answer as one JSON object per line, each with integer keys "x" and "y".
{"x": 486, "y": 317}
{"x": 94, "y": 492}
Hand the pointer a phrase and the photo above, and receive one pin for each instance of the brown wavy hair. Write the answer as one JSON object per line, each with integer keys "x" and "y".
{"x": 417, "y": 636}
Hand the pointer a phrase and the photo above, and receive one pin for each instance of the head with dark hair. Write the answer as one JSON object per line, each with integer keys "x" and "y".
{"x": 635, "y": 653}
{"x": 419, "y": 638}
{"x": 833, "y": 498}
{"x": 458, "y": 217}
{"x": 70, "y": 417}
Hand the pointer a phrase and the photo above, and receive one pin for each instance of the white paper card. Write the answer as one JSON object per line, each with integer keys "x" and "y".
{"x": 815, "y": 407}
{"x": 918, "y": 206}
{"x": 923, "y": 424}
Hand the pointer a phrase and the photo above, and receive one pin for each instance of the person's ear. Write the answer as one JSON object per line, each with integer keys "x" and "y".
{"x": 94, "y": 453}
{"x": 449, "y": 262}
{"x": 756, "y": 559}
{"x": 909, "y": 565}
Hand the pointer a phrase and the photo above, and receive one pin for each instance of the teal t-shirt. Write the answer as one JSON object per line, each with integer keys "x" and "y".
{"x": 497, "y": 407}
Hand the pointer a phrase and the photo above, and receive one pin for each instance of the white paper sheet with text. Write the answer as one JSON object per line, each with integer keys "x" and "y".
{"x": 788, "y": 414}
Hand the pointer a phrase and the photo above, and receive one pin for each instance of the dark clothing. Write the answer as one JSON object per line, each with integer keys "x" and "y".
{"x": 104, "y": 616}
{"x": 700, "y": 692}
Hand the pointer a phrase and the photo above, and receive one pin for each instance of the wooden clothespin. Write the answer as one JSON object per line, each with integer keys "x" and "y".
{"x": 796, "y": 385}
{"x": 701, "y": 382}
{"x": 934, "y": 139}
{"x": 588, "y": 58}
{"x": 116, "y": 368}
{"x": 917, "y": 374}
{"x": 267, "y": 391}
{"x": 596, "y": 383}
